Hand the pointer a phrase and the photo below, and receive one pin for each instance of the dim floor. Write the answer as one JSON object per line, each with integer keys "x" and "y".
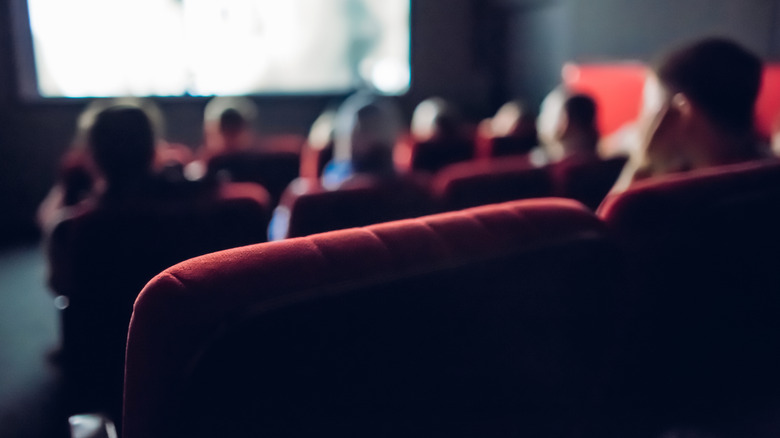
{"x": 31, "y": 396}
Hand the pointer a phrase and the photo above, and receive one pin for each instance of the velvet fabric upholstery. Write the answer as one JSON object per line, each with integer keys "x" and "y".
{"x": 361, "y": 201}
{"x": 482, "y": 182}
{"x": 489, "y": 321}
{"x": 102, "y": 256}
{"x": 703, "y": 248}
{"x": 587, "y": 181}
{"x": 431, "y": 156}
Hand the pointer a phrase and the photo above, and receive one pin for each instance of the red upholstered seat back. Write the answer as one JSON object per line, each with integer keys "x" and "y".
{"x": 704, "y": 247}
{"x": 431, "y": 156}
{"x": 101, "y": 258}
{"x": 364, "y": 201}
{"x": 274, "y": 170}
{"x": 465, "y": 185}
{"x": 505, "y": 146}
{"x": 486, "y": 321}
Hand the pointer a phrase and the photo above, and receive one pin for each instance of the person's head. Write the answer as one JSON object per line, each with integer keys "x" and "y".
{"x": 698, "y": 106}
{"x": 367, "y": 128}
{"x": 228, "y": 123}
{"x": 577, "y": 131}
{"x": 514, "y": 119}
{"x": 122, "y": 142}
{"x": 435, "y": 118}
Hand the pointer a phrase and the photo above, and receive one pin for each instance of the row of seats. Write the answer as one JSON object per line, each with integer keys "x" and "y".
{"x": 310, "y": 209}
{"x": 276, "y": 169}
{"x": 93, "y": 249}
{"x": 97, "y": 246}
{"x": 530, "y": 318}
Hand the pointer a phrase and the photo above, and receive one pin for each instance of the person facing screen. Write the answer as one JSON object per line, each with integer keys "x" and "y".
{"x": 577, "y": 133}
{"x": 122, "y": 143}
{"x": 436, "y": 119}
{"x": 438, "y": 138}
{"x": 697, "y": 110}
{"x": 367, "y": 128}
{"x": 229, "y": 125}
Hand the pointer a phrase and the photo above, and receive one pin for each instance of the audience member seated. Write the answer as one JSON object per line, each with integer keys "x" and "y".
{"x": 576, "y": 133}
{"x": 697, "y": 111}
{"x": 360, "y": 186}
{"x": 367, "y": 129}
{"x": 437, "y": 137}
{"x": 698, "y": 224}
{"x": 512, "y": 131}
{"x": 137, "y": 223}
{"x": 229, "y": 125}
{"x": 234, "y": 151}
{"x": 578, "y": 172}
{"x": 77, "y": 177}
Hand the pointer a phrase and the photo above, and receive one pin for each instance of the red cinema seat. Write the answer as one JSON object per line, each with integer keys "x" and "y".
{"x": 470, "y": 184}
{"x": 432, "y": 156}
{"x": 586, "y": 181}
{"x": 703, "y": 248}
{"x": 307, "y": 208}
{"x": 274, "y": 170}
{"x": 505, "y": 146}
{"x": 102, "y": 256}
{"x": 491, "y": 321}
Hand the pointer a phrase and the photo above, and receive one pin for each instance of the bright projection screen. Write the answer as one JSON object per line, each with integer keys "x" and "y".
{"x": 102, "y": 48}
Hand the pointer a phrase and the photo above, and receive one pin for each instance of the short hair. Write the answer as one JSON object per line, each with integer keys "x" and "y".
{"x": 231, "y": 121}
{"x": 122, "y": 142}
{"x": 580, "y": 109}
{"x": 718, "y": 75}
{"x": 435, "y": 116}
{"x": 231, "y": 114}
{"x": 366, "y": 131}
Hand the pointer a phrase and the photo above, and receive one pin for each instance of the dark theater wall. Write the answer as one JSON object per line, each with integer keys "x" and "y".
{"x": 546, "y": 33}
{"x": 34, "y": 135}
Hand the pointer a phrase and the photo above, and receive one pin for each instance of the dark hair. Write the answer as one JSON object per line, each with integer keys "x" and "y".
{"x": 721, "y": 77}
{"x": 580, "y": 109}
{"x": 231, "y": 121}
{"x": 122, "y": 143}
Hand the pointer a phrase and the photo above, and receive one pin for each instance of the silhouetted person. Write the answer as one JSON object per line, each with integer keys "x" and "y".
{"x": 229, "y": 125}
{"x": 572, "y": 150}
{"x": 360, "y": 186}
{"x": 577, "y": 134}
{"x": 122, "y": 143}
{"x": 366, "y": 131}
{"x": 512, "y": 131}
{"x": 78, "y": 180}
{"x": 435, "y": 119}
{"x": 438, "y": 137}
{"x": 698, "y": 110}
{"x": 233, "y": 150}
